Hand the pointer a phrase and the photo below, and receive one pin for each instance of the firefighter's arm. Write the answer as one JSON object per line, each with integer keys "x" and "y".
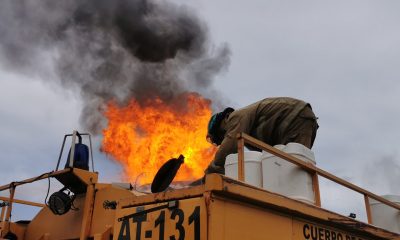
{"x": 228, "y": 146}
{"x": 235, "y": 125}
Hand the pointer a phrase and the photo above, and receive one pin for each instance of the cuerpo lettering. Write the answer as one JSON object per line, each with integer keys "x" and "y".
{"x": 311, "y": 232}
{"x": 317, "y": 233}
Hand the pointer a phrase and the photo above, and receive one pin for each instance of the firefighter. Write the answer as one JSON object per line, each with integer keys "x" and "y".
{"x": 272, "y": 120}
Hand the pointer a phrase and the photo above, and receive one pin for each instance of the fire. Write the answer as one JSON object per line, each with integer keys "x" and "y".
{"x": 142, "y": 137}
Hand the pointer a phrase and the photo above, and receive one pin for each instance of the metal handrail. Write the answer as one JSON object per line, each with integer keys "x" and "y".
{"x": 4, "y": 217}
{"x": 34, "y": 179}
{"x": 312, "y": 169}
{"x": 5, "y": 214}
{"x": 24, "y": 202}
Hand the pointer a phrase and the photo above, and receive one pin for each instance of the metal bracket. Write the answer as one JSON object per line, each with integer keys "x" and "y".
{"x": 74, "y": 135}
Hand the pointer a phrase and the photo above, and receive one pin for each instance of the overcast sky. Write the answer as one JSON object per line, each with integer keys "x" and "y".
{"x": 341, "y": 56}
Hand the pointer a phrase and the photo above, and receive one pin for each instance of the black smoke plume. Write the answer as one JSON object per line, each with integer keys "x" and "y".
{"x": 110, "y": 49}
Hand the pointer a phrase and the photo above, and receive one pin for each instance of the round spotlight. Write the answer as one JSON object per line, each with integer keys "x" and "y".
{"x": 60, "y": 202}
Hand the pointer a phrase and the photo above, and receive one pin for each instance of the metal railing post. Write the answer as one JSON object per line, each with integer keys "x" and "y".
{"x": 240, "y": 143}
{"x": 368, "y": 208}
{"x": 3, "y": 211}
{"x": 91, "y": 150}
{"x": 72, "y": 153}
{"x": 9, "y": 208}
{"x": 62, "y": 149}
{"x": 317, "y": 195}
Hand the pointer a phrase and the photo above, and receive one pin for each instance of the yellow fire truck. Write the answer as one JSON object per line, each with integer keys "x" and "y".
{"x": 219, "y": 208}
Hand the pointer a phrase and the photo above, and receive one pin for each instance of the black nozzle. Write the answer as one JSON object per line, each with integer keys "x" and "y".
{"x": 166, "y": 174}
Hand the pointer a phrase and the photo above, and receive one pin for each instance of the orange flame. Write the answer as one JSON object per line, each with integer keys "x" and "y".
{"x": 143, "y": 137}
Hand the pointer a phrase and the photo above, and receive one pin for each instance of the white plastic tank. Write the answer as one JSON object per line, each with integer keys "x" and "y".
{"x": 283, "y": 177}
{"x": 385, "y": 216}
{"x": 252, "y": 167}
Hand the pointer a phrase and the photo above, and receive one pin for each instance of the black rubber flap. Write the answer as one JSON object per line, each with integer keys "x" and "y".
{"x": 166, "y": 174}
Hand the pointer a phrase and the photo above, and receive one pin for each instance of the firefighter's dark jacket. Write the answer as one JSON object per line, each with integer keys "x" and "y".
{"x": 266, "y": 120}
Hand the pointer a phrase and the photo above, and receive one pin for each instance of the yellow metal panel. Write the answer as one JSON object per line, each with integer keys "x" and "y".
{"x": 66, "y": 226}
{"x": 86, "y": 176}
{"x": 236, "y": 220}
{"x": 187, "y": 221}
{"x": 229, "y": 189}
{"x": 18, "y": 230}
{"x": 87, "y": 212}
{"x": 104, "y": 235}
{"x": 102, "y": 218}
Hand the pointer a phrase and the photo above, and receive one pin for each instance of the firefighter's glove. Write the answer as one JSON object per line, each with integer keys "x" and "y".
{"x": 212, "y": 168}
